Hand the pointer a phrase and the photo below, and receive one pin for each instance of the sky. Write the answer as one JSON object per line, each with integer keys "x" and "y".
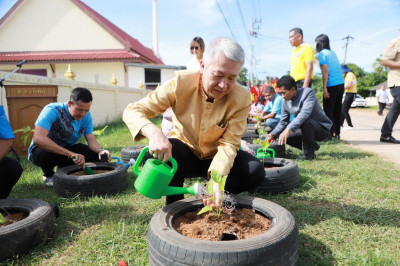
{"x": 370, "y": 25}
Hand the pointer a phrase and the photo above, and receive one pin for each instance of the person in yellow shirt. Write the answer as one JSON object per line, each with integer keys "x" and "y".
{"x": 301, "y": 65}
{"x": 210, "y": 116}
{"x": 350, "y": 87}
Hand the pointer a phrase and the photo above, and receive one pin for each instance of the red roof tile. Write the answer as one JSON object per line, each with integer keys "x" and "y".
{"x": 134, "y": 49}
{"x": 68, "y": 55}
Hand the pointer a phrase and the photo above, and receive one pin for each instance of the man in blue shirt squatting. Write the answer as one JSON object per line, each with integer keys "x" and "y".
{"x": 272, "y": 110}
{"x": 57, "y": 130}
{"x": 310, "y": 124}
{"x": 10, "y": 169}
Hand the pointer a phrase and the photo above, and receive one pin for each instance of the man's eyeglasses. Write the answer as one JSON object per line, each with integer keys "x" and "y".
{"x": 194, "y": 48}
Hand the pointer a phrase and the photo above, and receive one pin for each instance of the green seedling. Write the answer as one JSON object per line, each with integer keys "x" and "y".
{"x": 100, "y": 131}
{"x": 264, "y": 144}
{"x": 2, "y": 220}
{"x": 261, "y": 133}
{"x": 221, "y": 180}
{"x": 26, "y": 132}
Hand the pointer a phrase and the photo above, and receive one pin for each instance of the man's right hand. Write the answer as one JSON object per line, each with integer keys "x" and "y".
{"x": 78, "y": 159}
{"x": 159, "y": 145}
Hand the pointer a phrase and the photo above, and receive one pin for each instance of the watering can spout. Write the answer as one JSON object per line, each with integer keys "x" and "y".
{"x": 194, "y": 190}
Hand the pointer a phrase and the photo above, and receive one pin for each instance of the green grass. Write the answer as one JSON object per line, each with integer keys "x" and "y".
{"x": 347, "y": 209}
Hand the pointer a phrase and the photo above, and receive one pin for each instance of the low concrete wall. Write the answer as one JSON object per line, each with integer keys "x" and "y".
{"x": 109, "y": 102}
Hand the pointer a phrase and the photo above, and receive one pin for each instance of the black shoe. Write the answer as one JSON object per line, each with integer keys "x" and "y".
{"x": 389, "y": 139}
{"x": 307, "y": 157}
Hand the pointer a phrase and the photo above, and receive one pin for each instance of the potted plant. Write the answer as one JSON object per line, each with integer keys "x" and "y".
{"x": 276, "y": 246}
{"x": 180, "y": 234}
{"x": 27, "y": 223}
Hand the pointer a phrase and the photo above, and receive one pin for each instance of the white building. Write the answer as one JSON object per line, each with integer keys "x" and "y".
{"x": 52, "y": 35}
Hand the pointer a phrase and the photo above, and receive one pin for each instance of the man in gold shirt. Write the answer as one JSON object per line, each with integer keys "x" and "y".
{"x": 301, "y": 64}
{"x": 210, "y": 114}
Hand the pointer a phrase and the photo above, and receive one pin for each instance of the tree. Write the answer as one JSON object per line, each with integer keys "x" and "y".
{"x": 242, "y": 75}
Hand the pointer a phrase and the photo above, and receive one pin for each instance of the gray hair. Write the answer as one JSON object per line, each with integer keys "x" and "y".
{"x": 226, "y": 47}
{"x": 269, "y": 88}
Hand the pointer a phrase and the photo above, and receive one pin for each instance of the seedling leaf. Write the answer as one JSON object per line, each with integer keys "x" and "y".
{"x": 205, "y": 209}
{"x": 265, "y": 145}
{"x": 2, "y": 220}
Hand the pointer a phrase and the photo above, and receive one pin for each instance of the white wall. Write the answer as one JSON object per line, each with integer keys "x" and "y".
{"x": 47, "y": 25}
{"x": 109, "y": 102}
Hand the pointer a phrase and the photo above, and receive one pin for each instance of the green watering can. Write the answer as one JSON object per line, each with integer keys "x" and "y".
{"x": 267, "y": 153}
{"x": 153, "y": 180}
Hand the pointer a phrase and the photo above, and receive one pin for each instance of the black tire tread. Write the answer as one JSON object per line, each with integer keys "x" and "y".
{"x": 133, "y": 152}
{"x": 277, "y": 246}
{"x": 283, "y": 177}
{"x": 24, "y": 235}
{"x": 109, "y": 183}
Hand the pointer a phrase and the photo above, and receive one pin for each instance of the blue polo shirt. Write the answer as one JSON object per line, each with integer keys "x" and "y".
{"x": 63, "y": 129}
{"x": 335, "y": 76}
{"x": 274, "y": 106}
{"x": 5, "y": 128}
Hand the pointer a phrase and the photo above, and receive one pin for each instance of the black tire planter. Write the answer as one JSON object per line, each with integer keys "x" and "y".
{"x": 250, "y": 136}
{"x": 65, "y": 184}
{"x": 22, "y": 236}
{"x": 133, "y": 152}
{"x": 280, "y": 151}
{"x": 277, "y": 246}
{"x": 281, "y": 175}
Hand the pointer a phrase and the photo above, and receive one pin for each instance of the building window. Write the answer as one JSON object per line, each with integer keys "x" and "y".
{"x": 152, "y": 78}
{"x": 36, "y": 72}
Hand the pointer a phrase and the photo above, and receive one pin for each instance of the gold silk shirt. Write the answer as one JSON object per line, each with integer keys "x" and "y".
{"x": 392, "y": 52}
{"x": 210, "y": 130}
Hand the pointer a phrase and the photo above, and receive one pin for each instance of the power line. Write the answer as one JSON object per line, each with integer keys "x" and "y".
{"x": 226, "y": 21}
{"x": 243, "y": 22}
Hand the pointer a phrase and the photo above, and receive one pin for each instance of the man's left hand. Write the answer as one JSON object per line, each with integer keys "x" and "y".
{"x": 106, "y": 152}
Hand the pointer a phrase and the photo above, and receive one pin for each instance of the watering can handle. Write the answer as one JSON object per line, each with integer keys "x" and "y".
{"x": 141, "y": 155}
{"x": 117, "y": 158}
{"x": 268, "y": 150}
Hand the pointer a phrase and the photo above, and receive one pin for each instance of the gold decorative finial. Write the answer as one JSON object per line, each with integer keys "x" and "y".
{"x": 113, "y": 80}
{"x": 141, "y": 85}
{"x": 69, "y": 75}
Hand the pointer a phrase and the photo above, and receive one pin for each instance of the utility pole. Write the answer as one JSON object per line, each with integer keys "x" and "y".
{"x": 347, "y": 43}
{"x": 253, "y": 35}
{"x": 155, "y": 29}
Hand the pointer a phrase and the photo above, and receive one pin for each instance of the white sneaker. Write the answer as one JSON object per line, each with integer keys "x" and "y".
{"x": 347, "y": 128}
{"x": 48, "y": 181}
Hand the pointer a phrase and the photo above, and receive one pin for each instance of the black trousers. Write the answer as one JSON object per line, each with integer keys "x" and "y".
{"x": 10, "y": 172}
{"x": 391, "y": 117}
{"x": 381, "y": 107}
{"x": 47, "y": 160}
{"x": 246, "y": 173}
{"x": 348, "y": 100}
{"x": 333, "y": 107}
{"x": 304, "y": 138}
{"x": 300, "y": 83}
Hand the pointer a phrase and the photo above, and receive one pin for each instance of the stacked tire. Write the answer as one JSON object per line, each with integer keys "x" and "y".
{"x": 133, "y": 152}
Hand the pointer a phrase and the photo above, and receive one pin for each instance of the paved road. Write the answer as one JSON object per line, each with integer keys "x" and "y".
{"x": 366, "y": 134}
